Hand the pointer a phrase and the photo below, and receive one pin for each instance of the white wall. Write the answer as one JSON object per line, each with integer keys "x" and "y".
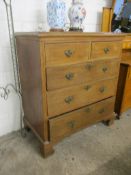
{"x": 28, "y": 15}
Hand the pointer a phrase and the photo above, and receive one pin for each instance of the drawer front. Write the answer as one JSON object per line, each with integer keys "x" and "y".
{"x": 68, "y": 99}
{"x": 66, "y": 124}
{"x": 127, "y": 45}
{"x": 106, "y": 50}
{"x": 67, "y": 53}
{"x": 64, "y": 76}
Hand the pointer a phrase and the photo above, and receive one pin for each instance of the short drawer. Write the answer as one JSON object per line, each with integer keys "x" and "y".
{"x": 68, "y": 99}
{"x": 63, "y": 53}
{"x": 106, "y": 50}
{"x": 65, "y": 76}
{"x": 67, "y": 124}
{"x": 127, "y": 45}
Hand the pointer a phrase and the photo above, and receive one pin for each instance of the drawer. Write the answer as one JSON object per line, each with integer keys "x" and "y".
{"x": 64, "y": 125}
{"x": 106, "y": 50}
{"x": 127, "y": 45}
{"x": 64, "y": 76}
{"x": 68, "y": 99}
{"x": 63, "y": 53}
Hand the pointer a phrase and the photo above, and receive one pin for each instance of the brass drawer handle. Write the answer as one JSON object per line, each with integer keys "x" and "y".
{"x": 89, "y": 66}
{"x": 106, "y": 50}
{"x": 87, "y": 87}
{"x": 69, "y": 76}
{"x": 71, "y": 124}
{"x": 68, "y": 53}
{"x": 105, "y": 69}
{"x": 102, "y": 89}
{"x": 69, "y": 99}
{"x": 102, "y": 111}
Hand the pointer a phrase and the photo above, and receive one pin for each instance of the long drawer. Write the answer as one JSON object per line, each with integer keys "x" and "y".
{"x": 67, "y": 99}
{"x": 64, "y": 125}
{"x": 106, "y": 50}
{"x": 65, "y": 76}
{"x": 62, "y": 53}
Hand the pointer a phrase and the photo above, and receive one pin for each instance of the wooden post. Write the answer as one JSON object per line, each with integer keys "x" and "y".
{"x": 106, "y": 19}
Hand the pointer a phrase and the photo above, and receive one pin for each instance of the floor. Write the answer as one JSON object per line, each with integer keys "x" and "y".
{"x": 97, "y": 150}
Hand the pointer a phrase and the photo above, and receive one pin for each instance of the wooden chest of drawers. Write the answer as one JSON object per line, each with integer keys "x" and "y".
{"x": 68, "y": 81}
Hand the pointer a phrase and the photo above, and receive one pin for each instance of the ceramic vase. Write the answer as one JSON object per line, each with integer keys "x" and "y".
{"x": 56, "y": 14}
{"x": 76, "y": 15}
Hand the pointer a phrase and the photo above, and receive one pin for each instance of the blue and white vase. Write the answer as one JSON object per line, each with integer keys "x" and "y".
{"x": 76, "y": 15}
{"x": 56, "y": 14}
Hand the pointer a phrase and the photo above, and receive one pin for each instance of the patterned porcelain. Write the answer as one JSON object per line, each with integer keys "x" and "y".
{"x": 56, "y": 14}
{"x": 77, "y": 14}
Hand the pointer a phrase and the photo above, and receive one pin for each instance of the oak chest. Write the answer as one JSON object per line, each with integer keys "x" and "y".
{"x": 68, "y": 81}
